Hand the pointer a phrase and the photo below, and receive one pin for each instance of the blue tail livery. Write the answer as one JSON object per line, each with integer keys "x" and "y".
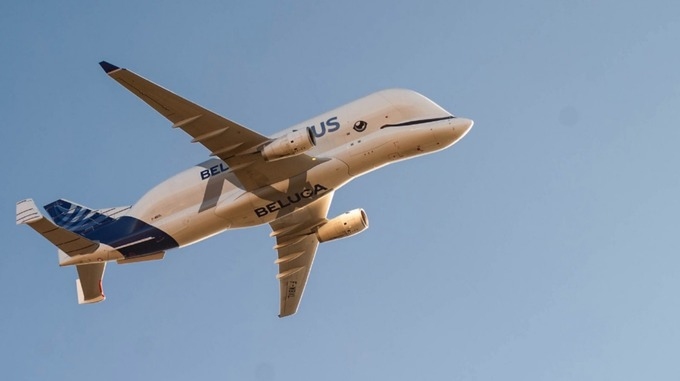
{"x": 76, "y": 218}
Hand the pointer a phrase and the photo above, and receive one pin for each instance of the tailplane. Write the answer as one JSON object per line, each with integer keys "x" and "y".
{"x": 89, "y": 283}
{"x": 65, "y": 240}
{"x": 68, "y": 236}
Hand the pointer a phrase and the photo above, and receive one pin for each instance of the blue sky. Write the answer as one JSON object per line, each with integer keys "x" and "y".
{"x": 542, "y": 246}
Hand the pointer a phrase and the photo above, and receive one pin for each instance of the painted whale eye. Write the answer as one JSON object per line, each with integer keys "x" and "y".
{"x": 360, "y": 126}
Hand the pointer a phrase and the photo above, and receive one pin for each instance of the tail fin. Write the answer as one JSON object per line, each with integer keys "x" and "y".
{"x": 76, "y": 218}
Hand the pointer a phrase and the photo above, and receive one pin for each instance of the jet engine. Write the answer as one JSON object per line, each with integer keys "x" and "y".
{"x": 290, "y": 144}
{"x": 345, "y": 225}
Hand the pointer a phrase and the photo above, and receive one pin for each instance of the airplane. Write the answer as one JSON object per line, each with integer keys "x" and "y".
{"x": 286, "y": 180}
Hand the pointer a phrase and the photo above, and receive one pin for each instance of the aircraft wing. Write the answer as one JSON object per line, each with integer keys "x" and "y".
{"x": 233, "y": 143}
{"x": 296, "y": 243}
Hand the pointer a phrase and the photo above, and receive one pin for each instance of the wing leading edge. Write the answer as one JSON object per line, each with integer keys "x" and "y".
{"x": 235, "y": 144}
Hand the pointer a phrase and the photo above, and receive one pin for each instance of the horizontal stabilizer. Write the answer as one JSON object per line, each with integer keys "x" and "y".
{"x": 66, "y": 240}
{"x": 89, "y": 283}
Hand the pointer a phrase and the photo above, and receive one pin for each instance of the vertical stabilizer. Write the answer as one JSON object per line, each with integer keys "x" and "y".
{"x": 76, "y": 218}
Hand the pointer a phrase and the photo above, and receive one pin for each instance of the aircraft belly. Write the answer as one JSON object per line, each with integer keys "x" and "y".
{"x": 365, "y": 155}
{"x": 270, "y": 202}
{"x": 417, "y": 143}
{"x": 103, "y": 254}
{"x": 198, "y": 227}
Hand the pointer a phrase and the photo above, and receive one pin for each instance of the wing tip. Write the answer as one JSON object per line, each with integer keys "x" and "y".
{"x": 108, "y": 67}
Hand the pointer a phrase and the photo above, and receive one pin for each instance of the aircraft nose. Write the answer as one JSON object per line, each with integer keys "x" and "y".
{"x": 463, "y": 123}
{"x": 461, "y": 126}
{"x": 451, "y": 131}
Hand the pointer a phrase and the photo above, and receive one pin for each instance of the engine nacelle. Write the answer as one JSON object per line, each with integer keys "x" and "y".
{"x": 291, "y": 144}
{"x": 345, "y": 225}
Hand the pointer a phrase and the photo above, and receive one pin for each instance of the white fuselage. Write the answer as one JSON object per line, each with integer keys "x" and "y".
{"x": 351, "y": 140}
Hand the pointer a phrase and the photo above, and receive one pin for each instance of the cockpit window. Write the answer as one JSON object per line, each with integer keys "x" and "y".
{"x": 419, "y": 121}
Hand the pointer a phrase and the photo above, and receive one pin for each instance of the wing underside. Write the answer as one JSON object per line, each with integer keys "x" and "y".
{"x": 235, "y": 144}
{"x": 296, "y": 243}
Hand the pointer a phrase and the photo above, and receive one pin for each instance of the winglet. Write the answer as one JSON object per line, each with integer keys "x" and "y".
{"x": 108, "y": 68}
